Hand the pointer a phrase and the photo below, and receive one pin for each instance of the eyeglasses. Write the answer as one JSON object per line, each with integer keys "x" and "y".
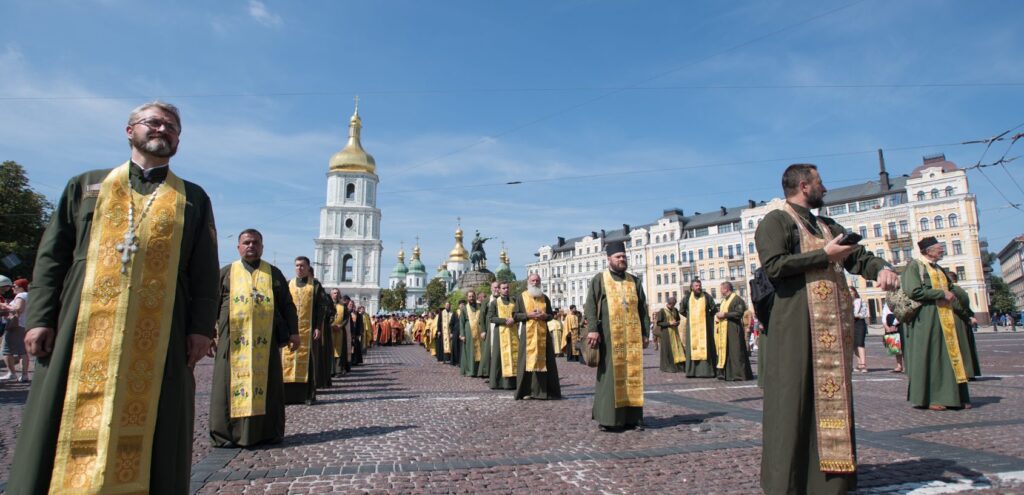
{"x": 156, "y": 124}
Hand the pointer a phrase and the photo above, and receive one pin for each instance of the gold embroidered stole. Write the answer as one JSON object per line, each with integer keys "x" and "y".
{"x": 473, "y": 315}
{"x": 948, "y": 322}
{"x": 536, "y": 334}
{"x": 831, "y": 316}
{"x": 509, "y": 340}
{"x": 572, "y": 326}
{"x": 251, "y": 326}
{"x": 105, "y": 440}
{"x": 296, "y": 363}
{"x": 367, "y": 330}
{"x": 339, "y": 337}
{"x": 697, "y": 308}
{"x": 446, "y": 331}
{"x": 675, "y": 345}
{"x": 626, "y": 346}
{"x": 556, "y": 329}
{"x": 722, "y": 331}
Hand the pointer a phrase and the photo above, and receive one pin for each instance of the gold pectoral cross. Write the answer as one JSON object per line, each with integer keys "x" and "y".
{"x": 127, "y": 248}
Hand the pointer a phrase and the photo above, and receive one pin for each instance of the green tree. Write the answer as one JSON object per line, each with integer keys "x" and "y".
{"x": 393, "y": 299}
{"x": 24, "y": 214}
{"x": 506, "y": 276}
{"x": 1003, "y": 301}
{"x": 436, "y": 294}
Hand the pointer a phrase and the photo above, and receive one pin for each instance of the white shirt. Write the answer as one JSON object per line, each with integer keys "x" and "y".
{"x": 859, "y": 309}
{"x": 23, "y": 314}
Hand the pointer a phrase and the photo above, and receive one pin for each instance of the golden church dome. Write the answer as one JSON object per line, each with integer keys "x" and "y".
{"x": 353, "y": 158}
{"x": 458, "y": 253}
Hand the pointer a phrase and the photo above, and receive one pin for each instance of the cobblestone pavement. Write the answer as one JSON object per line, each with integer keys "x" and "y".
{"x": 403, "y": 423}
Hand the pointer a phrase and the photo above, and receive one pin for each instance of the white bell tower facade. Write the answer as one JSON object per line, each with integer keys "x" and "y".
{"x": 348, "y": 250}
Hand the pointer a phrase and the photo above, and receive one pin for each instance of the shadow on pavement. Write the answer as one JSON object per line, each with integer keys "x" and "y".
{"x": 918, "y": 470}
{"x": 331, "y": 435}
{"x": 655, "y": 423}
{"x": 977, "y": 402}
{"x": 368, "y": 399}
{"x": 13, "y": 396}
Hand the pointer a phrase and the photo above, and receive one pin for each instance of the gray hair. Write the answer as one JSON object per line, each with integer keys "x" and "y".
{"x": 162, "y": 105}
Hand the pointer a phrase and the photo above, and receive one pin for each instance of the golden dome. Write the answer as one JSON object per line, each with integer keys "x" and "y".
{"x": 416, "y": 252}
{"x": 401, "y": 255}
{"x": 353, "y": 158}
{"x": 458, "y": 253}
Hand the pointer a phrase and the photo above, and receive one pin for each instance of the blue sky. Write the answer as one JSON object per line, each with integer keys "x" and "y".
{"x": 608, "y": 112}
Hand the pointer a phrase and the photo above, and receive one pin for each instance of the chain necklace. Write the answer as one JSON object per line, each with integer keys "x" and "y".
{"x": 131, "y": 242}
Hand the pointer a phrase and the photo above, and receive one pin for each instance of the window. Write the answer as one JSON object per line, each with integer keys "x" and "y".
{"x": 958, "y": 247}
{"x": 672, "y": 258}
{"x": 939, "y": 222}
{"x": 711, "y": 253}
{"x": 880, "y": 253}
{"x": 673, "y": 277}
{"x": 700, "y": 254}
{"x": 702, "y": 274}
{"x": 896, "y": 256}
{"x": 675, "y": 294}
{"x": 920, "y": 195}
{"x": 935, "y": 193}
{"x": 657, "y": 238}
{"x": 701, "y": 232}
{"x": 658, "y": 277}
{"x": 954, "y": 221}
{"x": 753, "y": 268}
{"x": 949, "y": 190}
{"x": 878, "y": 229}
{"x": 346, "y": 268}
{"x": 731, "y": 251}
{"x": 750, "y": 224}
{"x": 657, "y": 260}
{"x": 892, "y": 229}
{"x": 686, "y": 277}
{"x": 659, "y": 297}
{"x": 671, "y": 236}
{"x": 904, "y": 227}
{"x": 732, "y": 272}
{"x": 836, "y": 210}
{"x": 720, "y": 252}
{"x": 867, "y": 205}
{"x": 924, "y": 224}
{"x": 682, "y": 256}
{"x": 894, "y": 199}
{"x": 350, "y": 191}
{"x": 750, "y": 248}
{"x": 721, "y": 273}
{"x": 739, "y": 248}
{"x": 690, "y": 256}
{"x": 664, "y": 259}
{"x": 725, "y": 228}
{"x": 864, "y": 232}
{"x": 906, "y": 254}
{"x": 961, "y": 274}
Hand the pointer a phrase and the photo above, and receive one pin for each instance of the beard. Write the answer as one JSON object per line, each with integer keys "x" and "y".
{"x": 158, "y": 146}
{"x": 816, "y": 199}
{"x": 534, "y": 291}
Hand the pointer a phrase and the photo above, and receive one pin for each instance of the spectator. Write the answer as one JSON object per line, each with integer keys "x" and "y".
{"x": 893, "y": 325}
{"x": 860, "y": 330}
{"x": 14, "y": 333}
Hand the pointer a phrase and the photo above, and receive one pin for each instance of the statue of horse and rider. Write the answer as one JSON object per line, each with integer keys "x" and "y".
{"x": 477, "y": 256}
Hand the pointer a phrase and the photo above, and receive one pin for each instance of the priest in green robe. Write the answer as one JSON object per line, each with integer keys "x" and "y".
{"x": 808, "y": 444}
{"x": 341, "y": 338}
{"x": 536, "y": 371}
{"x": 126, "y": 275}
{"x": 699, "y": 308}
{"x": 730, "y": 339}
{"x": 469, "y": 328}
{"x": 504, "y": 340}
{"x": 257, "y": 317}
{"x": 300, "y": 365}
{"x": 936, "y": 364}
{"x": 617, "y": 325}
{"x": 673, "y": 355}
{"x": 486, "y": 363}
{"x": 323, "y": 348}
{"x": 480, "y": 343}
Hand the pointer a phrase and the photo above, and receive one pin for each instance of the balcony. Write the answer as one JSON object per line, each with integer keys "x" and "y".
{"x": 898, "y": 239}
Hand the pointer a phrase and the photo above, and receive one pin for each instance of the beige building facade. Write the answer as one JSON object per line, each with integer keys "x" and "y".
{"x": 1011, "y": 265}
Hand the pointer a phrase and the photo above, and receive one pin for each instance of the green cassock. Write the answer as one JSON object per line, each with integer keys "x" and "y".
{"x": 705, "y": 368}
{"x": 468, "y": 364}
{"x": 789, "y": 459}
{"x": 669, "y": 337}
{"x": 605, "y": 412}
{"x": 56, "y": 296}
{"x": 497, "y": 381}
{"x": 536, "y": 384}
{"x": 929, "y": 371}
{"x": 324, "y": 347}
{"x": 737, "y": 358}
{"x": 297, "y": 393}
{"x": 962, "y": 309}
{"x": 226, "y": 431}
{"x": 484, "y": 370}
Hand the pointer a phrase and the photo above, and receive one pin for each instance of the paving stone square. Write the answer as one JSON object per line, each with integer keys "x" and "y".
{"x": 403, "y": 423}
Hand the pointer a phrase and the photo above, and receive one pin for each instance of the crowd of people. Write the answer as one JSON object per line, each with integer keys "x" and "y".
{"x": 128, "y": 295}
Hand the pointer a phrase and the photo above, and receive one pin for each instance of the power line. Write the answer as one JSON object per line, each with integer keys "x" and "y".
{"x": 981, "y": 167}
{"x": 660, "y": 75}
{"x": 552, "y": 89}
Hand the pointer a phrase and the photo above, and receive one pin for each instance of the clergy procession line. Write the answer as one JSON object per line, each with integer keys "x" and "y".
{"x": 128, "y": 296}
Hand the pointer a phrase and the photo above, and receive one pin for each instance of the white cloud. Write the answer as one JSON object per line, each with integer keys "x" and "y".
{"x": 258, "y": 11}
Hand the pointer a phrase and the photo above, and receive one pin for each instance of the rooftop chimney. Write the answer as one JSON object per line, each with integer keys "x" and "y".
{"x": 724, "y": 210}
{"x": 940, "y": 157}
{"x": 561, "y": 241}
{"x": 625, "y": 228}
{"x": 602, "y": 233}
{"x": 883, "y": 176}
{"x": 593, "y": 234}
{"x": 751, "y": 203}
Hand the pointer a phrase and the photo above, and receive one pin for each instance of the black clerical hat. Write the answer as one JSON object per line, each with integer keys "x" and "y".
{"x": 614, "y": 247}
{"x": 926, "y": 243}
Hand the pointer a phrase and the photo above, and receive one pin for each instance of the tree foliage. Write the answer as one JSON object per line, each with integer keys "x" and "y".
{"x": 1003, "y": 301}
{"x": 393, "y": 299}
{"x": 24, "y": 214}
{"x": 436, "y": 294}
